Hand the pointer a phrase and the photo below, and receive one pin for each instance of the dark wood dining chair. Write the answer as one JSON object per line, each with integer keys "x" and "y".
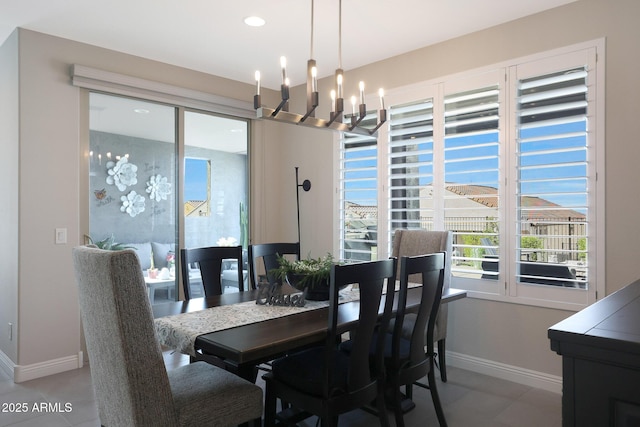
{"x": 422, "y": 242}
{"x": 323, "y": 380}
{"x": 269, "y": 253}
{"x": 209, "y": 262}
{"x": 132, "y": 385}
{"x": 405, "y": 358}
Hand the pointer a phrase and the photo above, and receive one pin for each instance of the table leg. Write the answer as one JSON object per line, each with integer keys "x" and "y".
{"x": 247, "y": 371}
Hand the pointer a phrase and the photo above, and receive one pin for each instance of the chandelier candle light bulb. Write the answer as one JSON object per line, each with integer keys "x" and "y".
{"x": 361, "y": 92}
{"x": 314, "y": 81}
{"x": 283, "y": 64}
{"x": 333, "y": 100}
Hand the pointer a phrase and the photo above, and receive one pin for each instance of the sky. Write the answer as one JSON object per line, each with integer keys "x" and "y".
{"x": 196, "y": 176}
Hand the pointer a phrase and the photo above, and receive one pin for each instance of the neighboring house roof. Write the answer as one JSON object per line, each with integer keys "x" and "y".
{"x": 355, "y": 210}
{"x": 488, "y": 197}
{"x": 482, "y": 194}
{"x": 196, "y": 208}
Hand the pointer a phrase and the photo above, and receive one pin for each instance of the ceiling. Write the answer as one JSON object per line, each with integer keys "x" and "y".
{"x": 211, "y": 37}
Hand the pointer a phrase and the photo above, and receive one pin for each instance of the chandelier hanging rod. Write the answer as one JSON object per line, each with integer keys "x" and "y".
{"x": 281, "y": 112}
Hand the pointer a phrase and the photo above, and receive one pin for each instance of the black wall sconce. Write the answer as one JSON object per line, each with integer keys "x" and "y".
{"x": 306, "y": 186}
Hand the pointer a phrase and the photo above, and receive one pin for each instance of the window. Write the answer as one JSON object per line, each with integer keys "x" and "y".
{"x": 358, "y": 198}
{"x": 552, "y": 197}
{"x": 410, "y": 166}
{"x": 215, "y": 180}
{"x": 472, "y": 175}
{"x": 505, "y": 157}
{"x": 197, "y": 187}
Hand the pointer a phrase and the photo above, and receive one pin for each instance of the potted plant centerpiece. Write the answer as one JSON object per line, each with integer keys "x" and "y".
{"x": 311, "y": 274}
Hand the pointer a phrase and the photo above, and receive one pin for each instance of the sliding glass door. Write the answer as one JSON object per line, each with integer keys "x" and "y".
{"x": 135, "y": 175}
{"x": 215, "y": 188}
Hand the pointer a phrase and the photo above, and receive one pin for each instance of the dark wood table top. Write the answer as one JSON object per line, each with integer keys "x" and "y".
{"x": 613, "y": 323}
{"x": 255, "y": 343}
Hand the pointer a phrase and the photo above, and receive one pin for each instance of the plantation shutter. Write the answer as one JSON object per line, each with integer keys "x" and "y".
{"x": 359, "y": 195}
{"x": 410, "y": 164}
{"x": 472, "y": 178}
{"x": 553, "y": 187}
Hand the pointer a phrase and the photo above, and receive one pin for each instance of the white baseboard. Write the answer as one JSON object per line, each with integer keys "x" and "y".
{"x": 6, "y": 364}
{"x": 511, "y": 373}
{"x": 23, "y": 373}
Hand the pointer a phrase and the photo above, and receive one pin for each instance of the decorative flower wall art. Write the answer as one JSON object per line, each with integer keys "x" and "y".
{"x": 122, "y": 174}
{"x": 133, "y": 204}
{"x": 158, "y": 187}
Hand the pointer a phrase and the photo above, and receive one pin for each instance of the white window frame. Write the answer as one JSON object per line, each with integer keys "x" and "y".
{"x": 507, "y": 289}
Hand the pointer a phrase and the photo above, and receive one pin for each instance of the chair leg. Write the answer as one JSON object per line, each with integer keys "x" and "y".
{"x": 441, "y": 360}
{"x": 435, "y": 397}
{"x": 330, "y": 421}
{"x": 397, "y": 406}
{"x": 269, "y": 406}
{"x": 382, "y": 407}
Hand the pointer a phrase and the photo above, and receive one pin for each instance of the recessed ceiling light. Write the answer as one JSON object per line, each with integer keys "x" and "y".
{"x": 254, "y": 21}
{"x": 141, "y": 110}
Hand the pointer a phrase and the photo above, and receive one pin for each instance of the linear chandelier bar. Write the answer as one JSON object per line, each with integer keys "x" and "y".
{"x": 267, "y": 113}
{"x": 336, "y": 118}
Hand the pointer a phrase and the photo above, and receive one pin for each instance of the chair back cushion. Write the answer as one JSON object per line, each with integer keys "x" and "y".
{"x": 127, "y": 369}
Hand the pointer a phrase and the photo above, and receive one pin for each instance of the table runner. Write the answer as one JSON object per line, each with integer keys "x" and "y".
{"x": 181, "y": 330}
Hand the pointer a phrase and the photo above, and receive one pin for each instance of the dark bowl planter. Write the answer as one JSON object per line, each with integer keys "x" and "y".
{"x": 316, "y": 290}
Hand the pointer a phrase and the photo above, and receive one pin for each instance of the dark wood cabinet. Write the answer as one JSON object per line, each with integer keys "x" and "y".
{"x": 600, "y": 349}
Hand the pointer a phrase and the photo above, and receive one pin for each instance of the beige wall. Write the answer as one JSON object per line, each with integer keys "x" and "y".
{"x": 50, "y": 178}
{"x": 49, "y": 173}
{"x": 9, "y": 135}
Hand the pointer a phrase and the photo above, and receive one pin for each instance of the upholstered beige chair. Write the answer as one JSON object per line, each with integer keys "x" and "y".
{"x": 132, "y": 385}
{"x": 422, "y": 242}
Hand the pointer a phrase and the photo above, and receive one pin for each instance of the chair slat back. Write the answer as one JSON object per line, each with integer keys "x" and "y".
{"x": 370, "y": 278}
{"x": 209, "y": 261}
{"x": 430, "y": 269}
{"x": 269, "y": 253}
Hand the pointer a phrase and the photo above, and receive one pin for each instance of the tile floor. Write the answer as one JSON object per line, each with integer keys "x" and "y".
{"x": 468, "y": 398}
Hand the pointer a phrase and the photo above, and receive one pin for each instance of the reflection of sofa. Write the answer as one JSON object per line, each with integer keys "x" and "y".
{"x": 159, "y": 251}
{"x": 540, "y": 270}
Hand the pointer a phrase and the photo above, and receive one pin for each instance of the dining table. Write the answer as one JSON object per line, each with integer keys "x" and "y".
{"x": 247, "y": 334}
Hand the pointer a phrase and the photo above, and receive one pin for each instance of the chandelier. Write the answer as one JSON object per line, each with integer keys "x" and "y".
{"x": 336, "y": 117}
